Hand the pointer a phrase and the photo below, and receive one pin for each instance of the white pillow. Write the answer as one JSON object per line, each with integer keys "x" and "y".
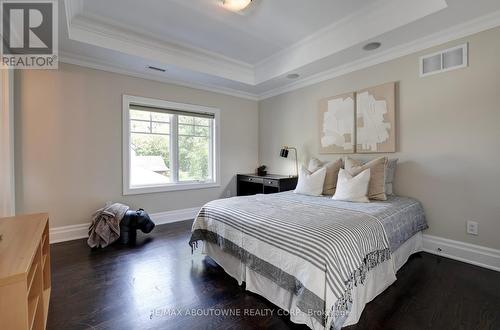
{"x": 352, "y": 189}
{"x": 310, "y": 183}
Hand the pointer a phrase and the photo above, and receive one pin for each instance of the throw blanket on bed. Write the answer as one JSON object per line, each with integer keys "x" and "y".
{"x": 105, "y": 227}
{"x": 317, "y": 251}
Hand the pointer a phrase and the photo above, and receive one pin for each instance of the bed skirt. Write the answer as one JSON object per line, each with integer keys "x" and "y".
{"x": 377, "y": 280}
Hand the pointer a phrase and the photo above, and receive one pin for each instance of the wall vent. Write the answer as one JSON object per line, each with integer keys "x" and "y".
{"x": 155, "y": 68}
{"x": 445, "y": 60}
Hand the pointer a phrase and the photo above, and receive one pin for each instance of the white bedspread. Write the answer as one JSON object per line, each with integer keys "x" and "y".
{"x": 316, "y": 249}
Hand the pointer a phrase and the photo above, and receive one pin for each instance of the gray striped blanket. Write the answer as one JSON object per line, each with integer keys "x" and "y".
{"x": 314, "y": 247}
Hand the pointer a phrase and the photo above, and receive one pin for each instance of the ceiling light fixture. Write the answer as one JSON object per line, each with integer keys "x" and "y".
{"x": 293, "y": 76}
{"x": 372, "y": 46}
{"x": 235, "y": 5}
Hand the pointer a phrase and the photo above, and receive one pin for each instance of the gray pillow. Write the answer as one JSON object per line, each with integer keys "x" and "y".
{"x": 390, "y": 170}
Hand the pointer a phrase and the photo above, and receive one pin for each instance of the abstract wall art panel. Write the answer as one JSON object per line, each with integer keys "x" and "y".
{"x": 336, "y": 124}
{"x": 375, "y": 119}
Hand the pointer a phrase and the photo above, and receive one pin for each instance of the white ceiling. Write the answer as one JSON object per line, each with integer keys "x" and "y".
{"x": 272, "y": 26}
{"x": 202, "y": 45}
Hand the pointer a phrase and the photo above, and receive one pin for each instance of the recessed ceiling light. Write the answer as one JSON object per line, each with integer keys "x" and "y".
{"x": 372, "y": 46}
{"x": 235, "y": 5}
{"x": 155, "y": 68}
{"x": 293, "y": 76}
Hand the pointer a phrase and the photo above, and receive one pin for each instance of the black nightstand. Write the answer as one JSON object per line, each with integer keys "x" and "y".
{"x": 251, "y": 184}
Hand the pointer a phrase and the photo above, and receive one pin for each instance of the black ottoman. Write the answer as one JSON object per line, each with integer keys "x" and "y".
{"x": 131, "y": 222}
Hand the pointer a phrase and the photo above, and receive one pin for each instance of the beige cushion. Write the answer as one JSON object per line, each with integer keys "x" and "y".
{"x": 332, "y": 172}
{"x": 376, "y": 189}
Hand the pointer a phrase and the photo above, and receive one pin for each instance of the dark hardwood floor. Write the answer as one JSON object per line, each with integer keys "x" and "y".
{"x": 145, "y": 286}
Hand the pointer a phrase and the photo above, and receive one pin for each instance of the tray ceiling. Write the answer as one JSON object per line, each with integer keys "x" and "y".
{"x": 201, "y": 44}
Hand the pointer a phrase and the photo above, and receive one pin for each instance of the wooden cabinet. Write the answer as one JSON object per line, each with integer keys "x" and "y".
{"x": 251, "y": 184}
{"x": 24, "y": 272}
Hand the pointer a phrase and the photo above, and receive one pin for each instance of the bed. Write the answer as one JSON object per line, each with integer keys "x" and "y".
{"x": 318, "y": 259}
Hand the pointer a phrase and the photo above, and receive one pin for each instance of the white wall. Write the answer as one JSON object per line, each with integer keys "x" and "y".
{"x": 69, "y": 142}
{"x": 448, "y": 135}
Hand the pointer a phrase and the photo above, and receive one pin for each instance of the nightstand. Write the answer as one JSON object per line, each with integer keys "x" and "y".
{"x": 251, "y": 184}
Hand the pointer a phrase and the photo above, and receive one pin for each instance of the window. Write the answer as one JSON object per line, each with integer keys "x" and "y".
{"x": 168, "y": 146}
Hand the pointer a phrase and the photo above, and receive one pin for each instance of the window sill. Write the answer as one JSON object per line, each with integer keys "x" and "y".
{"x": 167, "y": 188}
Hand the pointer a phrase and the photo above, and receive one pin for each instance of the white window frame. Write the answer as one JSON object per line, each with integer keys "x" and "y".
{"x": 185, "y": 185}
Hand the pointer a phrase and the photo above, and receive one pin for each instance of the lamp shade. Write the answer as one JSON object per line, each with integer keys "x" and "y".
{"x": 284, "y": 153}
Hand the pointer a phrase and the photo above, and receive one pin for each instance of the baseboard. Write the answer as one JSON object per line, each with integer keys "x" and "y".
{"x": 465, "y": 252}
{"x": 162, "y": 218}
{"x": 69, "y": 233}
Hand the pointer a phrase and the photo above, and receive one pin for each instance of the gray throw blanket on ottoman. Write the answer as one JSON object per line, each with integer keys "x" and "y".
{"x": 105, "y": 227}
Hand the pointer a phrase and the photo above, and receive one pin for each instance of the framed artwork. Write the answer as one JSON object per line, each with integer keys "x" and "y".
{"x": 375, "y": 119}
{"x": 336, "y": 124}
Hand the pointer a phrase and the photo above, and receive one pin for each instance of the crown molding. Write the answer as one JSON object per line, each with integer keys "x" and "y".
{"x": 88, "y": 28}
{"x": 93, "y": 63}
{"x": 104, "y": 32}
{"x": 106, "y": 36}
{"x": 369, "y": 22}
{"x": 107, "y": 23}
{"x": 463, "y": 30}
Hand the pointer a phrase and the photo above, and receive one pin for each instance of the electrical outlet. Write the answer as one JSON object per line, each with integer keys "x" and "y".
{"x": 472, "y": 228}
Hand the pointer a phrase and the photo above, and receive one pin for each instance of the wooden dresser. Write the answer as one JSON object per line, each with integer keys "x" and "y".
{"x": 24, "y": 272}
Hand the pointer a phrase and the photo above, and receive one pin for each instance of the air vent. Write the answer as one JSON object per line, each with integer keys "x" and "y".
{"x": 156, "y": 68}
{"x": 446, "y": 60}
